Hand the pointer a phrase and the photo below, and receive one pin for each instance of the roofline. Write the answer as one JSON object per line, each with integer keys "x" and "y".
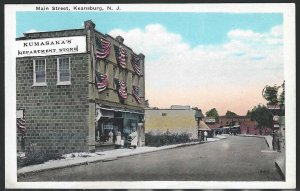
{"x": 107, "y": 35}
{"x": 47, "y": 32}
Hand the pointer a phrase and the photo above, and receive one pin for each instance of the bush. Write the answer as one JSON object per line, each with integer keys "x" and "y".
{"x": 36, "y": 157}
{"x": 160, "y": 139}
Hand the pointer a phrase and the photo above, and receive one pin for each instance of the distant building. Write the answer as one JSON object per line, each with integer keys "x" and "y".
{"x": 243, "y": 122}
{"x": 76, "y": 86}
{"x": 186, "y": 107}
{"x": 177, "y": 119}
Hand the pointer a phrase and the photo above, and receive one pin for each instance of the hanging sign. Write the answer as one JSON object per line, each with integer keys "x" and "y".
{"x": 20, "y": 113}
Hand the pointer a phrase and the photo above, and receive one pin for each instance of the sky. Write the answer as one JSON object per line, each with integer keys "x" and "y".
{"x": 205, "y": 60}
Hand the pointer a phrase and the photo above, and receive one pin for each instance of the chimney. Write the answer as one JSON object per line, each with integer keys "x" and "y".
{"x": 89, "y": 24}
{"x": 142, "y": 56}
{"x": 120, "y": 39}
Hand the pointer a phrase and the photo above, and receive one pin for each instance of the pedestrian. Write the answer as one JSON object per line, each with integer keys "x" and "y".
{"x": 205, "y": 135}
{"x": 118, "y": 139}
{"x": 278, "y": 138}
{"x": 199, "y": 136}
{"x": 110, "y": 139}
{"x": 134, "y": 139}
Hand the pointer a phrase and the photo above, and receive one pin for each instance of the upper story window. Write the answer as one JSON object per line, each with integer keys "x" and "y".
{"x": 133, "y": 79}
{"x": 138, "y": 81}
{"x": 63, "y": 71}
{"x": 121, "y": 74}
{"x": 115, "y": 72}
{"x": 125, "y": 76}
{"x": 39, "y": 72}
{"x": 105, "y": 68}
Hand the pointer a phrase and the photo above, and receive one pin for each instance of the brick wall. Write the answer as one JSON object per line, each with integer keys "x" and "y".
{"x": 56, "y": 116}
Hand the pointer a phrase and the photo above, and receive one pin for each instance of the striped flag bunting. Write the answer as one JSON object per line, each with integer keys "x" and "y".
{"x": 122, "y": 89}
{"x": 135, "y": 62}
{"x": 121, "y": 56}
{"x": 136, "y": 94}
{"x": 102, "y": 48}
{"x": 21, "y": 125}
{"x": 101, "y": 81}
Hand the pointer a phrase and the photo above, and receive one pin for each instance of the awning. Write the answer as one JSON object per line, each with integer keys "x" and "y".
{"x": 118, "y": 110}
{"x": 203, "y": 127}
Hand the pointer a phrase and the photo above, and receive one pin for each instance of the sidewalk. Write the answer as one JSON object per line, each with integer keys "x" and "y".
{"x": 280, "y": 159}
{"x": 280, "y": 164}
{"x": 268, "y": 139}
{"x": 75, "y": 159}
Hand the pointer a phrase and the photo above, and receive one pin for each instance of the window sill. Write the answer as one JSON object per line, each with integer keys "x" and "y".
{"x": 40, "y": 84}
{"x": 63, "y": 83}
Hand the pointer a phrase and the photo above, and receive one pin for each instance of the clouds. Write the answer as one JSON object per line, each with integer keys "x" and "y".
{"x": 154, "y": 40}
{"x": 246, "y": 59}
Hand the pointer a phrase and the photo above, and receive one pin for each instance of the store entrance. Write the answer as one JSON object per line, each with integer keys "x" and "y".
{"x": 107, "y": 129}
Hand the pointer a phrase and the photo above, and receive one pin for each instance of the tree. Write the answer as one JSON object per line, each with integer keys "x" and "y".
{"x": 282, "y": 95}
{"x": 248, "y": 113}
{"x": 212, "y": 113}
{"x": 262, "y": 116}
{"x": 230, "y": 114}
{"x": 270, "y": 93}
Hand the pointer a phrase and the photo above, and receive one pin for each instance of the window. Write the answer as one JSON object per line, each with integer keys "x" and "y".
{"x": 105, "y": 67}
{"x": 138, "y": 82}
{"x": 63, "y": 71}
{"x": 115, "y": 72}
{"x": 133, "y": 79}
{"x": 125, "y": 76}
{"x": 164, "y": 114}
{"x": 39, "y": 70}
{"x": 121, "y": 75}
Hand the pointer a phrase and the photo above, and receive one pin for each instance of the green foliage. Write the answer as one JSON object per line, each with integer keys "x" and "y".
{"x": 262, "y": 116}
{"x": 271, "y": 94}
{"x": 248, "y": 113}
{"x": 160, "y": 139}
{"x": 212, "y": 113}
{"x": 230, "y": 114}
{"x": 36, "y": 157}
{"x": 282, "y": 95}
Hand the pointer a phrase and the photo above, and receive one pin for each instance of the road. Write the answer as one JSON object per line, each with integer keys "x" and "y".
{"x": 232, "y": 159}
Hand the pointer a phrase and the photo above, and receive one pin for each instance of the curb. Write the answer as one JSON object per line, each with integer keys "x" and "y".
{"x": 280, "y": 171}
{"x": 109, "y": 158}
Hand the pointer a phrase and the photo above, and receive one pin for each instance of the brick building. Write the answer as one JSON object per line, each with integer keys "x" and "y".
{"x": 76, "y": 87}
{"x": 244, "y": 123}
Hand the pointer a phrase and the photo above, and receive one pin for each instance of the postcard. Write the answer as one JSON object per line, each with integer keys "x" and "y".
{"x": 136, "y": 96}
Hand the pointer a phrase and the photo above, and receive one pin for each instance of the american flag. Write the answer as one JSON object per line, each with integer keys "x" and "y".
{"x": 122, "y": 89}
{"x": 121, "y": 56}
{"x": 136, "y": 94}
{"x": 21, "y": 125}
{"x": 101, "y": 81}
{"x": 135, "y": 62}
{"x": 102, "y": 48}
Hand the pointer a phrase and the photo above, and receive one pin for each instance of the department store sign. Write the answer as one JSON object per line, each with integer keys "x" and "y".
{"x": 51, "y": 46}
